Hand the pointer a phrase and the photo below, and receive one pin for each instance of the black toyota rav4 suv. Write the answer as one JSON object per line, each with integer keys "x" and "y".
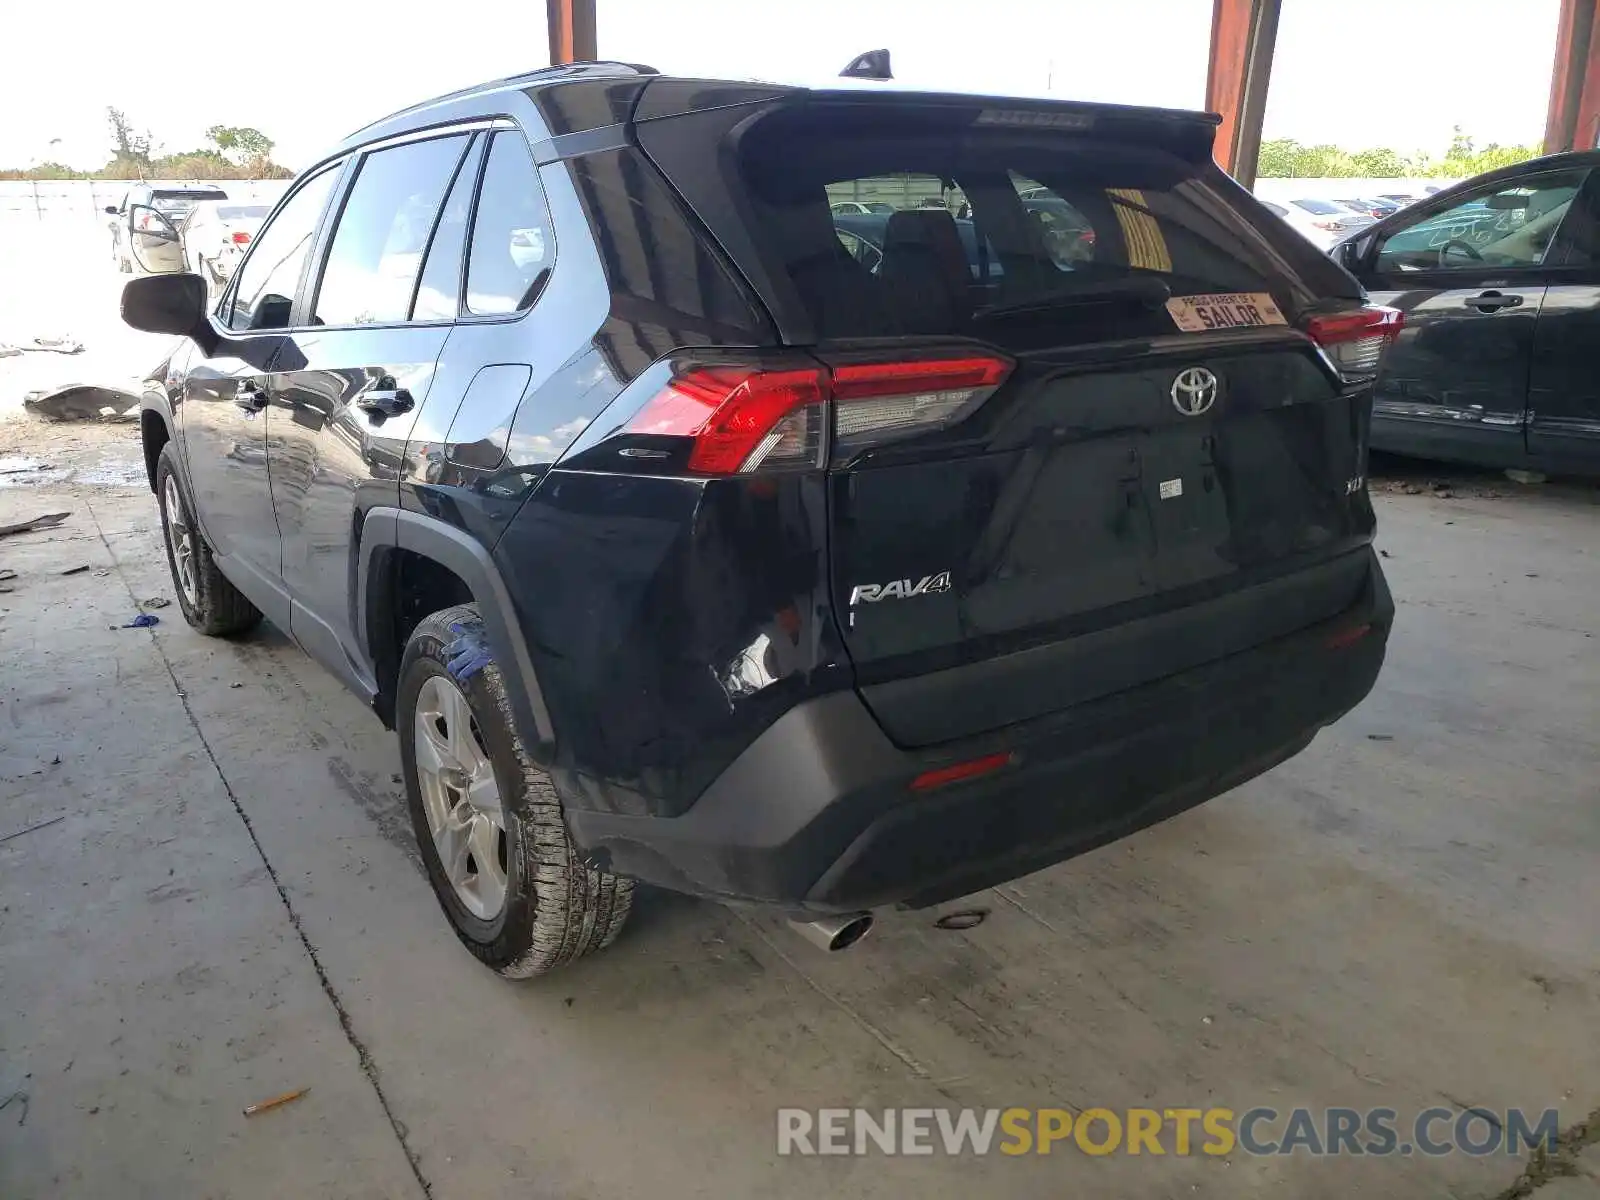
{"x": 684, "y": 539}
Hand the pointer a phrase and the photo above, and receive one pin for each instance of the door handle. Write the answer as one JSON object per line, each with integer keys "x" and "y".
{"x": 1492, "y": 301}
{"x": 385, "y": 402}
{"x": 249, "y": 397}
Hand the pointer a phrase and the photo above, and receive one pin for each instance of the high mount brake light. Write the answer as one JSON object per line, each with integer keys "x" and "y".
{"x": 745, "y": 418}
{"x": 1355, "y": 341}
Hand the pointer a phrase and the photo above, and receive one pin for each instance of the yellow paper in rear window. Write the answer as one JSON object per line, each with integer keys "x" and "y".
{"x": 1224, "y": 310}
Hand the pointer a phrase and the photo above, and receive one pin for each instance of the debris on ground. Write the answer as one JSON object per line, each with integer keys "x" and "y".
{"x": 236, "y": 684}
{"x": 155, "y": 602}
{"x": 21, "y": 466}
{"x": 1518, "y": 475}
{"x": 22, "y": 1107}
{"x": 76, "y": 570}
{"x": 1380, "y": 737}
{"x": 82, "y": 402}
{"x": 55, "y": 345}
{"x": 31, "y": 828}
{"x": 142, "y": 621}
{"x": 48, "y": 521}
{"x": 275, "y": 1102}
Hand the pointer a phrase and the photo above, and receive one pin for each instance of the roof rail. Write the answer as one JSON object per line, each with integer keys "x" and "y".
{"x": 601, "y": 69}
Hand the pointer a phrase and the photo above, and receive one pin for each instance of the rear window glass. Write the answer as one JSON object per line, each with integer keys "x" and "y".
{"x": 1320, "y": 207}
{"x": 888, "y": 228}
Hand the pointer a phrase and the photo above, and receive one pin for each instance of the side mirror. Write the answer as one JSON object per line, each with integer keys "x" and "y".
{"x": 169, "y": 304}
{"x": 1352, "y": 253}
{"x": 112, "y": 209}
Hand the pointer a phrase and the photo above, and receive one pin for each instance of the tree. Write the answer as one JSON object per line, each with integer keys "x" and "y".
{"x": 246, "y": 142}
{"x": 127, "y": 146}
{"x": 1285, "y": 158}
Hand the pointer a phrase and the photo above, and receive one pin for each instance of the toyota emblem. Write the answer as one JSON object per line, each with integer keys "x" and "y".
{"x": 1194, "y": 391}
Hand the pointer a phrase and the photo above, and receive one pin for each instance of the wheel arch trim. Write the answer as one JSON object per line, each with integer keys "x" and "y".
{"x": 387, "y": 529}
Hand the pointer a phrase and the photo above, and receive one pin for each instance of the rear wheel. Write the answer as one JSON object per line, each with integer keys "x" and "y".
{"x": 209, "y": 602}
{"x": 488, "y": 821}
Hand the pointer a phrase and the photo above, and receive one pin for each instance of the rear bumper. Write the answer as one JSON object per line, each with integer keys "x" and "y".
{"x": 816, "y": 816}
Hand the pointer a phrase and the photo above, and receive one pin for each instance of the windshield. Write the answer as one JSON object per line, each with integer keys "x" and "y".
{"x": 888, "y": 231}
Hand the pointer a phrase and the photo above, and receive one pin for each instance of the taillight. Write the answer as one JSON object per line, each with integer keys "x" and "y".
{"x": 239, "y": 238}
{"x": 1355, "y": 341}
{"x": 873, "y": 400}
{"x": 742, "y": 418}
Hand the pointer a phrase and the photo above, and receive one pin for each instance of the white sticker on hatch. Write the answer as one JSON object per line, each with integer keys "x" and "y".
{"x": 1171, "y": 488}
{"x": 1224, "y": 310}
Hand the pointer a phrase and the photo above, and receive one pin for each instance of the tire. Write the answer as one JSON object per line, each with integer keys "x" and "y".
{"x": 209, "y": 602}
{"x": 553, "y": 907}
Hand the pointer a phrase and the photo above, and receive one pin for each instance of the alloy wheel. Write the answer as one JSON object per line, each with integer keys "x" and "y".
{"x": 460, "y": 797}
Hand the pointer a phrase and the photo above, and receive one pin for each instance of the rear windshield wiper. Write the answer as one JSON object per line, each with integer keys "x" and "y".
{"x": 1143, "y": 290}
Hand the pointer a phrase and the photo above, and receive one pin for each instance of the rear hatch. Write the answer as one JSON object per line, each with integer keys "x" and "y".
{"x": 1084, "y": 435}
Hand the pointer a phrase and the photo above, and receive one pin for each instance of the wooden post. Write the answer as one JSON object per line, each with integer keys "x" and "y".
{"x": 572, "y": 37}
{"x": 1573, "y": 121}
{"x": 1244, "y": 34}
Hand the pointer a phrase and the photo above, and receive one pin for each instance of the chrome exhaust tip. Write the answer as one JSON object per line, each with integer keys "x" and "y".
{"x": 835, "y": 933}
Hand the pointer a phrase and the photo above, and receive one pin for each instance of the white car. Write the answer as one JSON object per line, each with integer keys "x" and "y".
{"x": 1321, "y": 222}
{"x": 215, "y": 235}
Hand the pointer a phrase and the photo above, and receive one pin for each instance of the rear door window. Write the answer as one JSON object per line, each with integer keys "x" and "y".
{"x": 513, "y": 246}
{"x": 894, "y": 228}
{"x": 377, "y": 249}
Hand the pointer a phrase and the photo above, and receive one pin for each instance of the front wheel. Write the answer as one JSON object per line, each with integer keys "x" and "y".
{"x": 487, "y": 818}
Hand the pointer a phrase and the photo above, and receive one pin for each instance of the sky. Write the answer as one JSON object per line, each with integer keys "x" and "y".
{"x": 307, "y": 72}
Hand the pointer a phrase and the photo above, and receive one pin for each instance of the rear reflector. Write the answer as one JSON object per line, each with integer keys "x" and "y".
{"x": 240, "y": 237}
{"x": 1347, "y": 637}
{"x": 744, "y": 418}
{"x": 1355, "y": 341}
{"x": 966, "y": 770}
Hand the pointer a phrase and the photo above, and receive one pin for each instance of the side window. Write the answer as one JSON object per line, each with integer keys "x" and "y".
{"x": 377, "y": 247}
{"x": 863, "y": 251}
{"x": 1512, "y": 224}
{"x": 439, "y": 290}
{"x": 512, "y": 244}
{"x": 1069, "y": 238}
{"x": 267, "y": 280}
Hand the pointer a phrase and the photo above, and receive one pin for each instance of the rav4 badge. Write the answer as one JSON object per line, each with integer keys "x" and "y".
{"x": 900, "y": 589}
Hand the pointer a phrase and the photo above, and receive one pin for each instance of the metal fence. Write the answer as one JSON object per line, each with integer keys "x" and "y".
{"x": 57, "y": 199}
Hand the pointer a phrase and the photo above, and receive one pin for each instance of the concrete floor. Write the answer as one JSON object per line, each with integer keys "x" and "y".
{"x": 230, "y": 908}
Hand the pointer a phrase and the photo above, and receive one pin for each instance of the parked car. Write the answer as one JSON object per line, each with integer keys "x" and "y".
{"x": 1499, "y": 363}
{"x": 1367, "y": 207}
{"x": 1320, "y": 222}
{"x": 1399, "y": 199}
{"x": 144, "y": 225}
{"x": 216, "y": 234}
{"x": 857, "y": 206}
{"x": 681, "y": 546}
